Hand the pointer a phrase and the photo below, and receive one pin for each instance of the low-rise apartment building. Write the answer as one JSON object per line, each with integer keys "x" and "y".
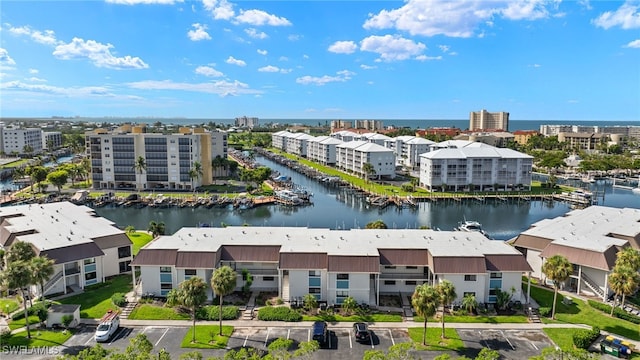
{"x": 86, "y": 248}
{"x": 21, "y": 140}
{"x": 351, "y": 157}
{"x": 168, "y": 159}
{"x": 334, "y": 264}
{"x": 589, "y": 238}
{"x": 322, "y": 149}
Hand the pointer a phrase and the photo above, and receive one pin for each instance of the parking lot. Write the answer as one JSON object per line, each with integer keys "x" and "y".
{"x": 512, "y": 344}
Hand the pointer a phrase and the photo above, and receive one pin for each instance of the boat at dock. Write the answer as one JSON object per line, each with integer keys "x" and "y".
{"x": 470, "y": 226}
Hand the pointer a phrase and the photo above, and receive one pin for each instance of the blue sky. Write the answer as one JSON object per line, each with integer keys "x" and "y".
{"x": 427, "y": 59}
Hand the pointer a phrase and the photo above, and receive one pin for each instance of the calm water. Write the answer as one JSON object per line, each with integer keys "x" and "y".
{"x": 338, "y": 208}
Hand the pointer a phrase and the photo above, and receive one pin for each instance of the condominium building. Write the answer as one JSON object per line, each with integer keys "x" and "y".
{"x": 341, "y": 124}
{"x": 322, "y": 149}
{"x": 589, "y": 238}
{"x": 474, "y": 166}
{"x": 407, "y": 149}
{"x": 86, "y": 249}
{"x": 279, "y": 139}
{"x": 21, "y": 140}
{"x": 372, "y": 125}
{"x": 493, "y": 138}
{"x": 522, "y": 137}
{"x": 583, "y": 141}
{"x": 247, "y": 122}
{"x": 484, "y": 120}
{"x": 335, "y": 264}
{"x": 51, "y": 140}
{"x": 351, "y": 156}
{"x": 345, "y": 135}
{"x": 297, "y": 143}
{"x": 167, "y": 159}
{"x": 375, "y": 138}
{"x": 625, "y": 131}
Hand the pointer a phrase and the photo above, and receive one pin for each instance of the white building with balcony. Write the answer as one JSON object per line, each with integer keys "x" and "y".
{"x": 322, "y": 149}
{"x": 351, "y": 157}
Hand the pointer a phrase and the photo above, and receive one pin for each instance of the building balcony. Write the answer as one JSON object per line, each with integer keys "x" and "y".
{"x": 71, "y": 270}
{"x": 403, "y": 276}
{"x": 261, "y": 272}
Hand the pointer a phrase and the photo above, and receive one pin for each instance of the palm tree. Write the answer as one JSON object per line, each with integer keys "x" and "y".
{"x": 629, "y": 257}
{"x": 377, "y": 224}
{"x": 368, "y": 170}
{"x": 469, "y": 302}
{"x": 17, "y": 276}
{"x": 558, "y": 269}
{"x": 140, "y": 165}
{"x": 624, "y": 281}
{"x": 195, "y": 172}
{"x": 42, "y": 269}
{"x": 414, "y": 183}
{"x": 192, "y": 293}
{"x": 447, "y": 293}
{"x": 156, "y": 228}
{"x": 425, "y": 301}
{"x": 223, "y": 282}
{"x": 20, "y": 251}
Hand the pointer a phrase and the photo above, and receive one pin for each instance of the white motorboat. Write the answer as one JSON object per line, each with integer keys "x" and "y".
{"x": 471, "y": 226}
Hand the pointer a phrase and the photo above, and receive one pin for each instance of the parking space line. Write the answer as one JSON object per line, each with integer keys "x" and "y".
{"x": 288, "y": 333}
{"x": 145, "y": 329}
{"x": 246, "y": 338}
{"x": 506, "y": 338}
{"x": 370, "y": 339}
{"x": 308, "y": 334}
{"x": 393, "y": 342}
{"x": 534, "y": 345}
{"x": 486, "y": 344}
{"x": 350, "y": 343}
{"x": 116, "y": 336}
{"x": 267, "y": 338}
{"x": 163, "y": 334}
{"x": 88, "y": 341}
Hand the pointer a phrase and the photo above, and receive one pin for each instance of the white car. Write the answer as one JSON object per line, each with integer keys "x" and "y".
{"x": 107, "y": 327}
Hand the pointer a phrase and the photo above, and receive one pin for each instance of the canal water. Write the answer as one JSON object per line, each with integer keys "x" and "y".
{"x": 340, "y": 208}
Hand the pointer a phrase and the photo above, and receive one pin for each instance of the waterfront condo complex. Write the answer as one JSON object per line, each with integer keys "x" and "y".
{"x": 129, "y": 158}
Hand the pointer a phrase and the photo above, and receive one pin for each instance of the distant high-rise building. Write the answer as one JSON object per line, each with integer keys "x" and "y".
{"x": 247, "y": 122}
{"x": 20, "y": 141}
{"x": 341, "y": 124}
{"x": 484, "y": 120}
{"x": 371, "y": 125}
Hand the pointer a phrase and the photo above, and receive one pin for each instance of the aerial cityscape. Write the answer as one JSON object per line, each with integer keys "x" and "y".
{"x": 319, "y": 180}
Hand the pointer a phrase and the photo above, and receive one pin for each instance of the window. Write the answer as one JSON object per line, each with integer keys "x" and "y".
{"x": 314, "y": 283}
{"x": 411, "y": 267}
{"x": 340, "y": 296}
{"x": 188, "y": 273}
{"x": 124, "y": 251}
{"x": 125, "y": 266}
{"x": 165, "y": 288}
{"x": 342, "y": 276}
{"x": 411, "y": 282}
{"x": 90, "y": 276}
{"x": 496, "y": 275}
{"x": 468, "y": 293}
{"x": 470, "y": 278}
{"x": 389, "y": 267}
{"x": 342, "y": 281}
{"x": 389, "y": 282}
{"x": 165, "y": 269}
{"x": 89, "y": 261}
{"x": 269, "y": 278}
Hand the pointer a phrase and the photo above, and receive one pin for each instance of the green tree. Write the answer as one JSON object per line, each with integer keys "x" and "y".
{"x": 96, "y": 352}
{"x": 551, "y": 353}
{"x": 195, "y": 172}
{"x": 469, "y": 302}
{"x": 192, "y": 294}
{"x": 309, "y": 302}
{"x": 377, "y": 224}
{"x": 447, "y": 293}
{"x": 39, "y": 174}
{"x": 488, "y": 354}
{"x": 624, "y": 280}
{"x": 368, "y": 170}
{"x": 425, "y": 301}
{"x": 349, "y": 304}
{"x": 629, "y": 257}
{"x": 306, "y": 349}
{"x": 139, "y": 349}
{"x": 58, "y": 178}
{"x": 17, "y": 276}
{"x": 156, "y": 228}
{"x": 42, "y": 269}
{"x": 558, "y": 269}
{"x": 20, "y": 251}
{"x": 399, "y": 351}
{"x": 223, "y": 282}
{"x": 191, "y": 355}
{"x": 279, "y": 349}
{"x": 140, "y": 166}
{"x": 130, "y": 229}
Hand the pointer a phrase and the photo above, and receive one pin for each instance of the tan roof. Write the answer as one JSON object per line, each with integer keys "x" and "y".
{"x": 594, "y": 259}
{"x": 303, "y": 261}
{"x": 507, "y": 263}
{"x": 531, "y": 242}
{"x": 250, "y": 253}
{"x": 77, "y": 252}
{"x": 196, "y": 260}
{"x": 166, "y": 257}
{"x": 351, "y": 264}
{"x": 112, "y": 241}
{"x": 411, "y": 257}
{"x": 459, "y": 265}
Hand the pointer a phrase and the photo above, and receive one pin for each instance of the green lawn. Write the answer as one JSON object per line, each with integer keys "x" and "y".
{"x": 371, "y": 318}
{"x": 139, "y": 239}
{"x": 39, "y": 338}
{"x": 581, "y": 313}
{"x": 451, "y": 342}
{"x": 151, "y": 312}
{"x": 562, "y": 337}
{"x": 7, "y": 306}
{"x": 94, "y": 303}
{"x": 207, "y": 337}
{"x": 16, "y": 324}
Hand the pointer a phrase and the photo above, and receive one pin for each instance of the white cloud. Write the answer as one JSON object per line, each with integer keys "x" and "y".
{"x": 294, "y": 37}
{"x": 535, "y": 65}
{"x": 221, "y": 10}
{"x": 36, "y": 79}
{"x": 144, "y": 2}
{"x": 5, "y": 59}
{"x": 343, "y": 47}
{"x": 99, "y": 54}
{"x": 33, "y": 71}
{"x": 444, "y": 48}
{"x": 283, "y": 58}
{"x": 208, "y": 71}
{"x": 220, "y": 87}
{"x": 634, "y": 44}
{"x": 426, "y": 58}
{"x": 342, "y": 76}
{"x": 392, "y": 48}
{"x": 233, "y": 61}
{"x": 627, "y": 17}
{"x": 199, "y": 32}
{"x": 92, "y": 91}
{"x": 367, "y": 67}
{"x": 47, "y": 37}
{"x": 454, "y": 18}
{"x": 273, "y": 69}
{"x": 258, "y": 17}
{"x": 256, "y": 34}
{"x": 262, "y": 52}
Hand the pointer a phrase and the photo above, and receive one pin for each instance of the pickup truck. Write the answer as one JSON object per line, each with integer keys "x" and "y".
{"x": 108, "y": 326}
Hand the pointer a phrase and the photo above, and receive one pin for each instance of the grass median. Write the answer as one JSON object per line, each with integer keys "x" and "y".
{"x": 39, "y": 338}
{"x": 96, "y": 299}
{"x": 207, "y": 337}
{"x": 451, "y": 342}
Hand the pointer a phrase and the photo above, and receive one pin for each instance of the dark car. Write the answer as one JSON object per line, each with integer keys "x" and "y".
{"x": 320, "y": 332}
{"x": 361, "y": 331}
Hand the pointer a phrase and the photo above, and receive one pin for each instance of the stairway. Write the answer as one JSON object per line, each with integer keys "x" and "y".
{"x": 592, "y": 285}
{"x": 248, "y": 313}
{"x": 534, "y": 317}
{"x": 285, "y": 287}
{"x": 126, "y": 311}
{"x": 52, "y": 281}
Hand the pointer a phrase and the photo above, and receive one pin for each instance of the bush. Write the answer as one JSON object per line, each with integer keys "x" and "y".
{"x": 617, "y": 312}
{"x": 212, "y": 312}
{"x": 66, "y": 320}
{"x": 280, "y": 313}
{"x": 582, "y": 339}
{"x": 32, "y": 311}
{"x": 544, "y": 311}
{"x": 118, "y": 299}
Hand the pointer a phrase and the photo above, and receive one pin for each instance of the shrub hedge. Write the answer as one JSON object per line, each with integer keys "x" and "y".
{"x": 118, "y": 299}
{"x": 32, "y": 311}
{"x": 582, "y": 339}
{"x": 212, "y": 312}
{"x": 617, "y": 312}
{"x": 278, "y": 313}
{"x": 544, "y": 311}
